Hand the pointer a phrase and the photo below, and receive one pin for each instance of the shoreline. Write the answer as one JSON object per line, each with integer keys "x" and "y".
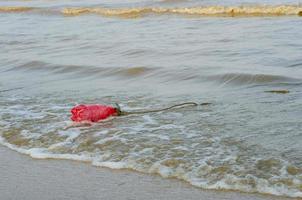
{"x": 23, "y": 177}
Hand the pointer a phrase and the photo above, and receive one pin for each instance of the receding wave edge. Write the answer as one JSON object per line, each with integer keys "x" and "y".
{"x": 226, "y": 11}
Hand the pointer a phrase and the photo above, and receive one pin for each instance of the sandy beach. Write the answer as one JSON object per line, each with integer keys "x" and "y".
{"x": 22, "y": 177}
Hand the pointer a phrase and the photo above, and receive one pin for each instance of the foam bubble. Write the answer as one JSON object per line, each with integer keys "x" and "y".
{"x": 112, "y": 165}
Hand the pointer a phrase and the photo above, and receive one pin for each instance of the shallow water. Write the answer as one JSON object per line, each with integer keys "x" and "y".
{"x": 247, "y": 139}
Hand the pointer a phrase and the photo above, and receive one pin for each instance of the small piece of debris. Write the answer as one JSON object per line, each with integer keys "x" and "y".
{"x": 205, "y": 104}
{"x": 278, "y": 91}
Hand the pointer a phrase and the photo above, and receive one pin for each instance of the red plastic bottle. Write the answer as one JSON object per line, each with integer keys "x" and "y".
{"x": 92, "y": 112}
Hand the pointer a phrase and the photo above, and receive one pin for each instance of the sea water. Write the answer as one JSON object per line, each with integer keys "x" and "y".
{"x": 242, "y": 57}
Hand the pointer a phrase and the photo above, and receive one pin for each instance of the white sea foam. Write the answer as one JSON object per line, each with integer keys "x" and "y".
{"x": 112, "y": 165}
{"x": 161, "y": 144}
{"x": 29, "y": 135}
{"x": 149, "y": 120}
{"x": 202, "y": 11}
{"x": 71, "y": 134}
{"x": 103, "y": 132}
{"x": 218, "y": 10}
{"x": 43, "y": 153}
{"x": 228, "y": 182}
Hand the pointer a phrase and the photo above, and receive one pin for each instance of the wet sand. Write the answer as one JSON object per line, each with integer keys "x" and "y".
{"x": 22, "y": 177}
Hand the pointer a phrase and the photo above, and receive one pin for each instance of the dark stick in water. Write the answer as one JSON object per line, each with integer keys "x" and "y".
{"x": 120, "y": 112}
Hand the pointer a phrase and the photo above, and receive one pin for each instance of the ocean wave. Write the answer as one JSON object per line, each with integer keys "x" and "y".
{"x": 205, "y": 176}
{"x": 82, "y": 71}
{"x": 178, "y": 144}
{"x": 223, "y": 11}
{"x": 201, "y": 11}
{"x": 251, "y": 79}
{"x": 15, "y": 9}
{"x": 158, "y": 73}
